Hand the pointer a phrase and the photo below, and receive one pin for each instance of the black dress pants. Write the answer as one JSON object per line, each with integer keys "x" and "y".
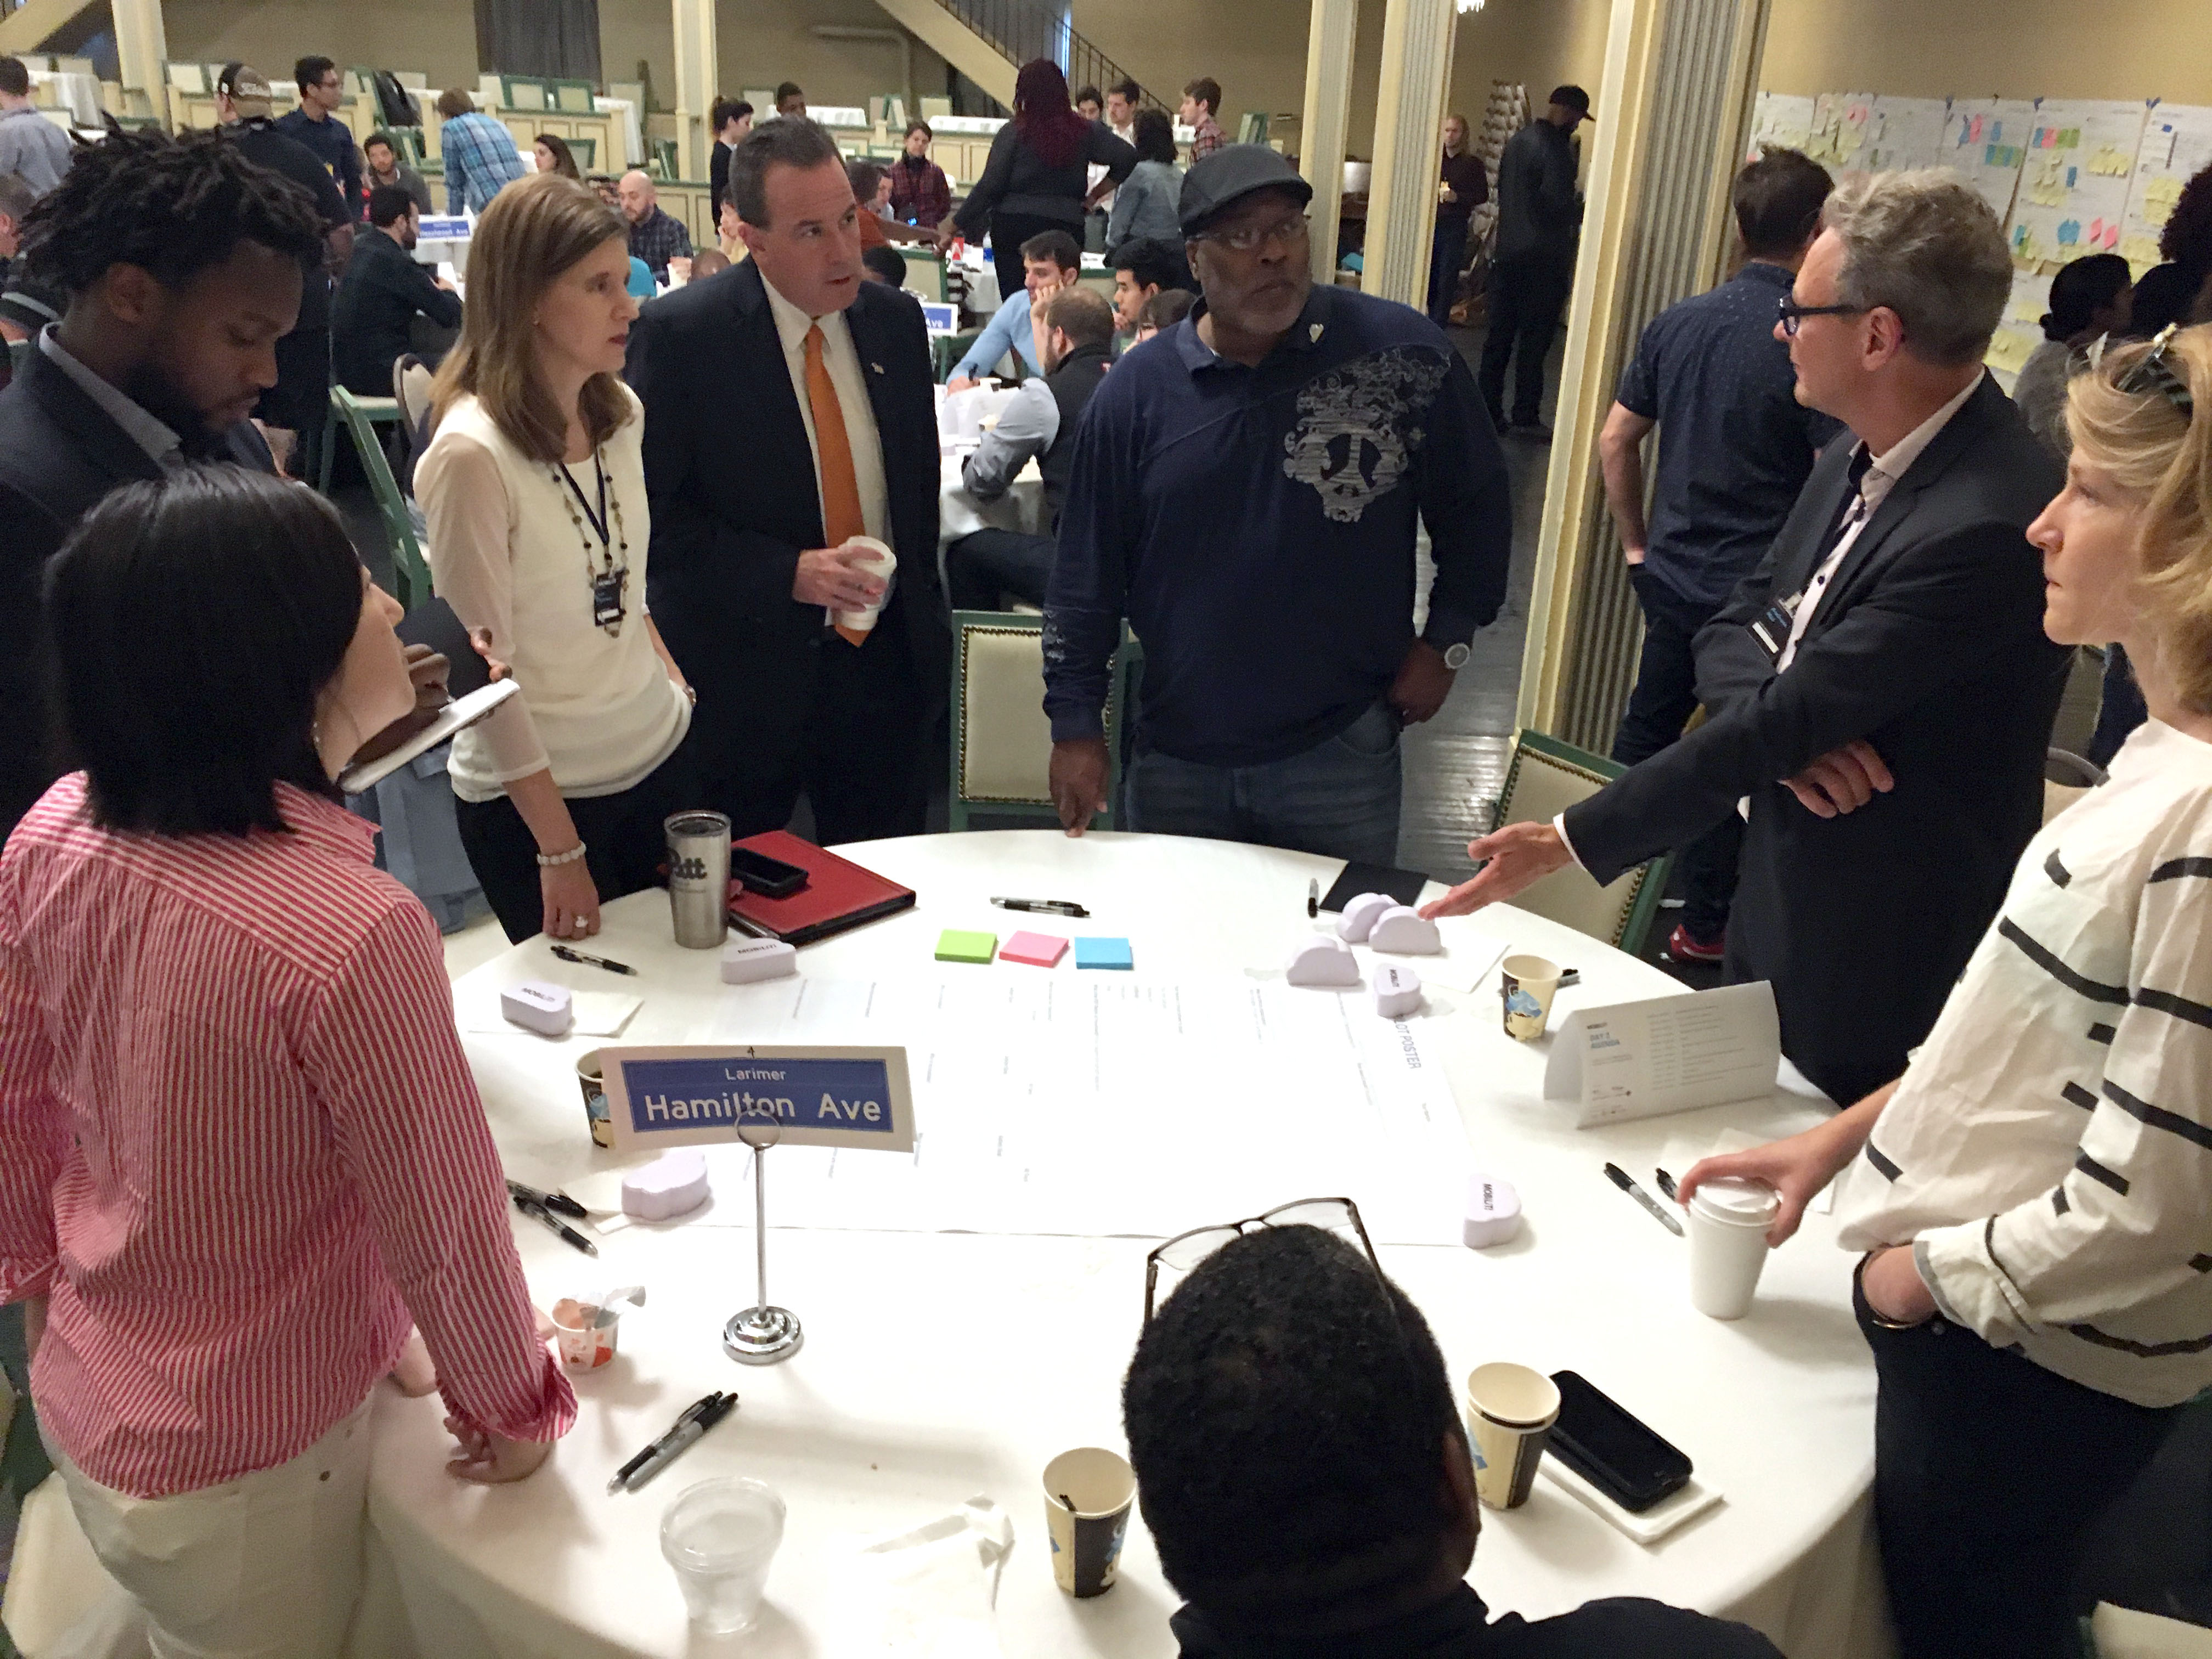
{"x": 1989, "y": 1473}
{"x": 624, "y": 839}
{"x": 856, "y": 750}
{"x": 1526, "y": 297}
{"x": 1665, "y": 696}
{"x": 982, "y": 567}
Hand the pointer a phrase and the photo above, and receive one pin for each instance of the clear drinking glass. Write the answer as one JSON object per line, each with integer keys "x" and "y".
{"x": 719, "y": 1536}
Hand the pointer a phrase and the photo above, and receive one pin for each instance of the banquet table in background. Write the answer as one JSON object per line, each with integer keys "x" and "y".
{"x": 958, "y": 512}
{"x": 938, "y": 1365}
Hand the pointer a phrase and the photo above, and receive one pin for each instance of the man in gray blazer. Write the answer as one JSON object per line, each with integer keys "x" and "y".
{"x": 1879, "y": 689}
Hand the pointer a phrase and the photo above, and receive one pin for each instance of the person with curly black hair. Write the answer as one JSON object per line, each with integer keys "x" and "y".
{"x": 180, "y": 259}
{"x": 2179, "y": 290}
{"x": 1307, "y": 1480}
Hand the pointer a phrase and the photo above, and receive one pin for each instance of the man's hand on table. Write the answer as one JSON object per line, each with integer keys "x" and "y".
{"x": 1842, "y": 781}
{"x": 1077, "y": 778}
{"x": 1422, "y": 685}
{"x": 493, "y": 1460}
{"x": 1512, "y": 858}
{"x": 829, "y": 575}
{"x": 961, "y": 383}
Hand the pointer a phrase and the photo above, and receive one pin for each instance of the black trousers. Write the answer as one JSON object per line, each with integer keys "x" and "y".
{"x": 981, "y": 567}
{"x": 624, "y": 842}
{"x": 1665, "y": 694}
{"x": 1525, "y": 295}
{"x": 1010, "y": 230}
{"x": 300, "y": 402}
{"x": 1446, "y": 255}
{"x": 857, "y": 752}
{"x": 1989, "y": 1473}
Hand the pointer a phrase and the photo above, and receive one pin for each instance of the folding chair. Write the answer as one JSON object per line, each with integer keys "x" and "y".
{"x": 410, "y": 574}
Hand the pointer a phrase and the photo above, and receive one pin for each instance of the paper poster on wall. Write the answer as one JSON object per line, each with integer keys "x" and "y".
{"x": 2021, "y": 330}
{"x": 1839, "y": 136}
{"x": 1985, "y": 138}
{"x": 1780, "y": 118}
{"x": 2177, "y": 145}
{"x": 2073, "y": 179}
{"x": 1905, "y": 132}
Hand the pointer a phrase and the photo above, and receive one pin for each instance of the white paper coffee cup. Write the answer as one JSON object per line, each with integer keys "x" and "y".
{"x": 1538, "y": 979}
{"x": 1727, "y": 1225}
{"x": 1510, "y": 1412}
{"x": 882, "y": 566}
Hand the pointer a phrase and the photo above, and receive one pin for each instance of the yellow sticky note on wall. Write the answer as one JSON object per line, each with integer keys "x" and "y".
{"x": 2009, "y": 351}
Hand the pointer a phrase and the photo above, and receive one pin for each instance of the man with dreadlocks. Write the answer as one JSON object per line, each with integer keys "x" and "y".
{"x": 181, "y": 261}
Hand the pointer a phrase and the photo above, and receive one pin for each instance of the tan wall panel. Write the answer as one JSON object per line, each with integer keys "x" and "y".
{"x": 437, "y": 37}
{"x": 2022, "y": 49}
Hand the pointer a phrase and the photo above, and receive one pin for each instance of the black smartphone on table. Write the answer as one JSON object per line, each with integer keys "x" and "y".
{"x": 769, "y": 878}
{"x": 1600, "y": 1440}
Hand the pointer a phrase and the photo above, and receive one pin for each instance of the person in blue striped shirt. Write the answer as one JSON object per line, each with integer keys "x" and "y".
{"x": 480, "y": 156}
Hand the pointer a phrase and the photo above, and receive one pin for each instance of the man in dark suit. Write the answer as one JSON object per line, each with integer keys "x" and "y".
{"x": 751, "y": 543}
{"x": 181, "y": 260}
{"x": 1880, "y": 690}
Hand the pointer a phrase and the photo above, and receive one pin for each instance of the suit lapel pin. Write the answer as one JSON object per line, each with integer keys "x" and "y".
{"x": 879, "y": 368}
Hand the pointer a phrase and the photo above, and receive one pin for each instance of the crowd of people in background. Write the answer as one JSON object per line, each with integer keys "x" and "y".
{"x": 1866, "y": 564}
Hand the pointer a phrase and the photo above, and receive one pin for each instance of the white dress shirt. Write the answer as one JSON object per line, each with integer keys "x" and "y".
{"x": 2048, "y": 1151}
{"x": 842, "y": 360}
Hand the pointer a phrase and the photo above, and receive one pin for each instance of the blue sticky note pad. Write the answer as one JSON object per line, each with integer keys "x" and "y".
{"x": 1104, "y": 953}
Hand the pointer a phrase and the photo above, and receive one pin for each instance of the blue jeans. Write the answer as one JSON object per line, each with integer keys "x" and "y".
{"x": 1339, "y": 799}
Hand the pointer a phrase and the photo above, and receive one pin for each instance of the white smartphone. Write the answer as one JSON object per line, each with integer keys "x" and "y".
{"x": 455, "y": 716}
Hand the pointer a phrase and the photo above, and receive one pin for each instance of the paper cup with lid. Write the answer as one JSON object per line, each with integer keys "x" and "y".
{"x": 1727, "y": 1223}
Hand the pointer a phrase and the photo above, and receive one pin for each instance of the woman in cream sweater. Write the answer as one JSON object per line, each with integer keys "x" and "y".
{"x": 534, "y": 491}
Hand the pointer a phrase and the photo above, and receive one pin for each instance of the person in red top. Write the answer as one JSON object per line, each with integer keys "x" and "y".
{"x": 921, "y": 193}
{"x": 241, "y": 1155}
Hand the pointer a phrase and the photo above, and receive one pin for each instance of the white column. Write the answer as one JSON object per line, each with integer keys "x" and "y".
{"x": 1321, "y": 131}
{"x": 142, "y": 46}
{"x": 697, "y": 70}
{"x": 1409, "y": 126}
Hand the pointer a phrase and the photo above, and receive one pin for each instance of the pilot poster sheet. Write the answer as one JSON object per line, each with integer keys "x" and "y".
{"x": 1116, "y": 1106}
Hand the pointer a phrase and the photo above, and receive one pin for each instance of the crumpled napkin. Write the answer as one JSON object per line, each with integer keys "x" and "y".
{"x": 928, "y": 1593}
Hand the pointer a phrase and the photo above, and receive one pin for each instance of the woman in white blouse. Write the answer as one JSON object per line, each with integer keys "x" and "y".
{"x": 2031, "y": 1195}
{"x": 534, "y": 489}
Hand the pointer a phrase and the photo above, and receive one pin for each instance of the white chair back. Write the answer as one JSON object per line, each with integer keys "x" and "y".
{"x": 1005, "y": 737}
{"x": 2123, "y": 1633}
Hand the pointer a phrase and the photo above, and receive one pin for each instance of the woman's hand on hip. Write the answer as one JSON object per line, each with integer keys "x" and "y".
{"x": 572, "y": 900}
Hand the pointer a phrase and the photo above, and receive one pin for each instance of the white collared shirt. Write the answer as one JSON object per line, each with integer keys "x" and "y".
{"x": 161, "y": 445}
{"x": 842, "y": 360}
{"x": 1881, "y": 474}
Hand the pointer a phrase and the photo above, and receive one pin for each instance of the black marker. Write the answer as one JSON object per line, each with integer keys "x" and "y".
{"x": 1313, "y": 898}
{"x": 690, "y": 1427}
{"x": 560, "y": 1203}
{"x": 537, "y": 1212}
{"x": 1620, "y": 1178}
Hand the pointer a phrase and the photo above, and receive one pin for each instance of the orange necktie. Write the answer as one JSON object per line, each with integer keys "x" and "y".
{"x": 841, "y": 518}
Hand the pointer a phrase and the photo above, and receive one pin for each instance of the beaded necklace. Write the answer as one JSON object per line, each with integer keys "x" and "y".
{"x": 608, "y": 575}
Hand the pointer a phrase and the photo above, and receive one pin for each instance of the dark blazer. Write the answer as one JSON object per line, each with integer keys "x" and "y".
{"x": 731, "y": 479}
{"x": 1930, "y": 646}
{"x": 60, "y": 454}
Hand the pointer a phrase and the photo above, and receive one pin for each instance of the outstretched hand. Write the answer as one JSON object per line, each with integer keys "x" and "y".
{"x": 1513, "y": 859}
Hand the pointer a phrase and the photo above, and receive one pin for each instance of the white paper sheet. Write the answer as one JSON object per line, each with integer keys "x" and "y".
{"x": 1781, "y": 118}
{"x": 2177, "y": 145}
{"x": 1905, "y": 132}
{"x": 1112, "y": 1105}
{"x": 1669, "y": 1054}
{"x": 1985, "y": 139}
{"x": 2074, "y": 180}
{"x": 2019, "y": 330}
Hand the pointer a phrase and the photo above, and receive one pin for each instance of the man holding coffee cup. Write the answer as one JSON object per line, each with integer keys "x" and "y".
{"x": 1304, "y": 1470}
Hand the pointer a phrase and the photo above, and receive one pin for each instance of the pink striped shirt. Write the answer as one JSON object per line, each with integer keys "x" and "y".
{"x": 240, "y": 1147}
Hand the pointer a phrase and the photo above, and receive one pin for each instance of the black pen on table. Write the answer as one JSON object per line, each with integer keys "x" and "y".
{"x": 1620, "y": 1178}
{"x": 537, "y": 1212}
{"x": 560, "y": 1203}
{"x": 690, "y": 1427}
{"x": 585, "y": 956}
{"x": 1043, "y": 906}
{"x": 1313, "y": 897}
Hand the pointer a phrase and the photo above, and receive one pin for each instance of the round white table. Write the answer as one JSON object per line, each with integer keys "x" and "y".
{"x": 941, "y": 1365}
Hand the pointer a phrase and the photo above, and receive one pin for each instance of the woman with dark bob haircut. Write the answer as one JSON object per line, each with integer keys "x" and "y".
{"x": 241, "y": 1155}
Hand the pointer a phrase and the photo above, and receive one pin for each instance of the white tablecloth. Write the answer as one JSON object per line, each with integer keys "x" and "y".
{"x": 941, "y": 1365}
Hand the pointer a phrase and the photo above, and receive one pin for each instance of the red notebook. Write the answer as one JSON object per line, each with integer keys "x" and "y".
{"x": 838, "y": 894}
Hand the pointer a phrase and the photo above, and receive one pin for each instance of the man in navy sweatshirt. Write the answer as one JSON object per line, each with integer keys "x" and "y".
{"x": 1244, "y": 490}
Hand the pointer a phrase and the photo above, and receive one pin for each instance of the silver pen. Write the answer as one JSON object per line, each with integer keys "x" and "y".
{"x": 1620, "y": 1178}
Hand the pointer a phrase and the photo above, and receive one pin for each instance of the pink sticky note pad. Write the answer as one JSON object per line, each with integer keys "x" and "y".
{"x": 1038, "y": 950}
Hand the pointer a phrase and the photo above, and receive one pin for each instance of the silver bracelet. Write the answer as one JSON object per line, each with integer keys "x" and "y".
{"x": 558, "y": 859}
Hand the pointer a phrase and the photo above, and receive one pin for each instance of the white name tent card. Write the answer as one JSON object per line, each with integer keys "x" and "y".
{"x": 702, "y": 1096}
{"x": 1668, "y": 1055}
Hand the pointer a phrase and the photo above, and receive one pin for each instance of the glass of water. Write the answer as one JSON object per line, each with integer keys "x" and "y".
{"x": 719, "y": 1536}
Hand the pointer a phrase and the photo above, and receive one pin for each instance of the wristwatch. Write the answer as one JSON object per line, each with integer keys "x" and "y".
{"x": 1455, "y": 656}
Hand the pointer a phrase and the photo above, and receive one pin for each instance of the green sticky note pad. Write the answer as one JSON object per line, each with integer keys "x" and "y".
{"x": 954, "y": 945}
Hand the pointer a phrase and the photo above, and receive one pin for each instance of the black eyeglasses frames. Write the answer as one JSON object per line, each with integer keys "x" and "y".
{"x": 1791, "y": 313}
{"x": 1186, "y": 1250}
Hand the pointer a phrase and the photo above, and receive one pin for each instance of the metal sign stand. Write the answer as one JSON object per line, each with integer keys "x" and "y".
{"x": 762, "y": 1334}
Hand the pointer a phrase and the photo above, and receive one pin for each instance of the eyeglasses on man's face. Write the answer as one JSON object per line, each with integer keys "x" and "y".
{"x": 1792, "y": 315}
{"x": 1291, "y": 231}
